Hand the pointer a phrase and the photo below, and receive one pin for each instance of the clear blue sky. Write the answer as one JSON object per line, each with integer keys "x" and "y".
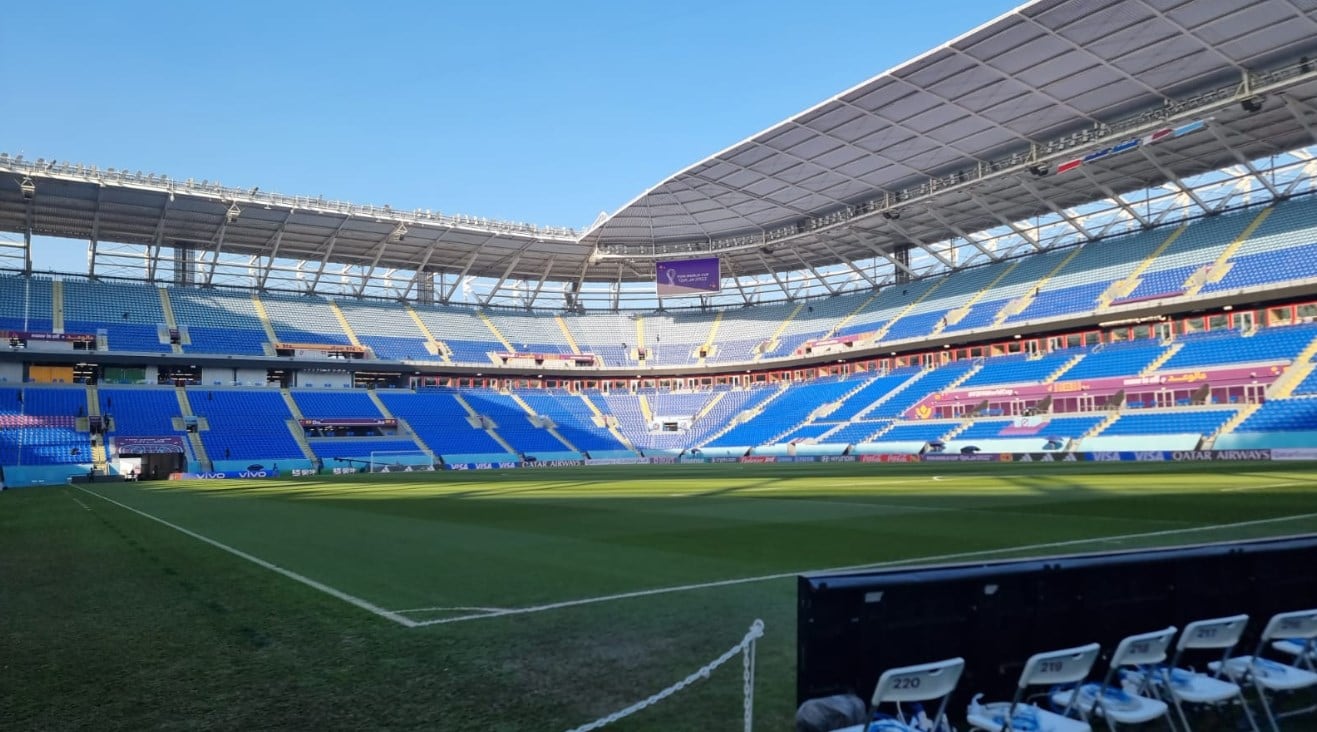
{"x": 528, "y": 111}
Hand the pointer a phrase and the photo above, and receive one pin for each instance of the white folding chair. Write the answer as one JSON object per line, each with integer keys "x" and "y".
{"x": 1068, "y": 666}
{"x": 1272, "y": 676}
{"x": 1110, "y": 700}
{"x": 1186, "y": 686}
{"x": 927, "y": 682}
{"x": 1304, "y": 652}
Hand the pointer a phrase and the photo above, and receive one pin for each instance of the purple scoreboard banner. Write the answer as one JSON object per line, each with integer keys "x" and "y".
{"x": 149, "y": 445}
{"x": 689, "y": 277}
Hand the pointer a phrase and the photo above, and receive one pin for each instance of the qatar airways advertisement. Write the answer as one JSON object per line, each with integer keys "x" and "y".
{"x": 689, "y": 277}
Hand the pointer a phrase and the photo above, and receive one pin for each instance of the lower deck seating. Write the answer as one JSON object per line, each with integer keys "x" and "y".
{"x": 1203, "y": 422}
{"x": 573, "y": 420}
{"x": 38, "y": 426}
{"x": 1279, "y": 415}
{"x": 440, "y": 421}
{"x": 246, "y": 425}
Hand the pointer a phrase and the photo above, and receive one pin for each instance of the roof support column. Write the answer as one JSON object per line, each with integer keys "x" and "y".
{"x": 736, "y": 280}
{"x": 1300, "y": 112}
{"x": 420, "y": 272}
{"x": 1175, "y": 180}
{"x": 1253, "y": 171}
{"x": 273, "y": 244}
{"x": 27, "y": 235}
{"x": 94, "y": 241}
{"x": 398, "y": 233}
{"x": 814, "y": 271}
{"x": 896, "y": 263}
{"x": 922, "y": 245}
{"x": 786, "y": 291}
{"x": 850, "y": 264}
{"x": 457, "y": 281}
{"x": 157, "y": 240}
{"x": 1026, "y": 236}
{"x": 506, "y": 273}
{"x": 617, "y": 291}
{"x": 993, "y": 256}
{"x": 216, "y": 250}
{"x": 1116, "y": 199}
{"x": 329, "y": 252}
{"x": 535, "y": 294}
{"x": 1309, "y": 172}
{"x": 1028, "y": 185}
{"x": 573, "y": 293}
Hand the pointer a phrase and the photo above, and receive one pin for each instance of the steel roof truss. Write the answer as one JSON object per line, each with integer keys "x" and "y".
{"x": 1031, "y": 240}
{"x": 216, "y": 250}
{"x": 916, "y": 133}
{"x": 895, "y": 224}
{"x": 682, "y": 205}
{"x": 814, "y": 271}
{"x": 329, "y": 252}
{"x": 992, "y": 255}
{"x": 395, "y": 233}
{"x": 1113, "y": 197}
{"x": 1237, "y": 155}
{"x": 457, "y": 281}
{"x": 786, "y": 291}
{"x": 272, "y": 245}
{"x": 1310, "y": 170}
{"x": 1066, "y": 216}
{"x": 94, "y": 241}
{"x": 419, "y": 272}
{"x": 539, "y": 285}
{"x": 1300, "y": 111}
{"x": 616, "y": 288}
{"x": 504, "y": 278}
{"x": 1174, "y": 180}
{"x": 736, "y": 281}
{"x": 1105, "y": 63}
{"x": 850, "y": 263}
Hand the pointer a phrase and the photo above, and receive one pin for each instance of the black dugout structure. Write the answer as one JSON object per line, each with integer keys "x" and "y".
{"x": 852, "y": 626}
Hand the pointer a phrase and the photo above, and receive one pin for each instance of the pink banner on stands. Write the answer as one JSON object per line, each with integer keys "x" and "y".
{"x": 888, "y": 457}
{"x": 1263, "y": 374}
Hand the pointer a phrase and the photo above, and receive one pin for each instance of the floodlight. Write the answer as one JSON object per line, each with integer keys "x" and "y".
{"x": 1252, "y": 105}
{"x": 28, "y": 188}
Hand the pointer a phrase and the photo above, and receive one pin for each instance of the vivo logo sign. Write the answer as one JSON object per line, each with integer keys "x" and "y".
{"x": 253, "y": 474}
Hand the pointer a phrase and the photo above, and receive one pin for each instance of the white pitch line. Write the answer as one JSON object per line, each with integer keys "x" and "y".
{"x": 855, "y": 567}
{"x": 85, "y": 507}
{"x": 1263, "y": 487}
{"x": 453, "y": 607}
{"x": 331, "y": 591}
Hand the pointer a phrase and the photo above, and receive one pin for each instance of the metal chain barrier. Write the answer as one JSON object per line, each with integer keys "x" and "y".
{"x": 746, "y": 648}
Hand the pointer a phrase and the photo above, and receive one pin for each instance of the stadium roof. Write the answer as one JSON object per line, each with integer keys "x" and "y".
{"x": 1046, "y": 70}
{"x": 966, "y": 137}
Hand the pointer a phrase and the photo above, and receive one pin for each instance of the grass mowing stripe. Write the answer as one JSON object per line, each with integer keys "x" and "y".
{"x": 85, "y": 507}
{"x": 331, "y": 591}
{"x": 858, "y": 567}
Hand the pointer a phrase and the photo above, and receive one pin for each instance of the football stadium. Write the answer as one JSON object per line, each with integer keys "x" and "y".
{"x": 994, "y": 374}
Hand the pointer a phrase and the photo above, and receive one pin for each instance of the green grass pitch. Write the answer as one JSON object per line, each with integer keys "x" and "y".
{"x": 113, "y": 619}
